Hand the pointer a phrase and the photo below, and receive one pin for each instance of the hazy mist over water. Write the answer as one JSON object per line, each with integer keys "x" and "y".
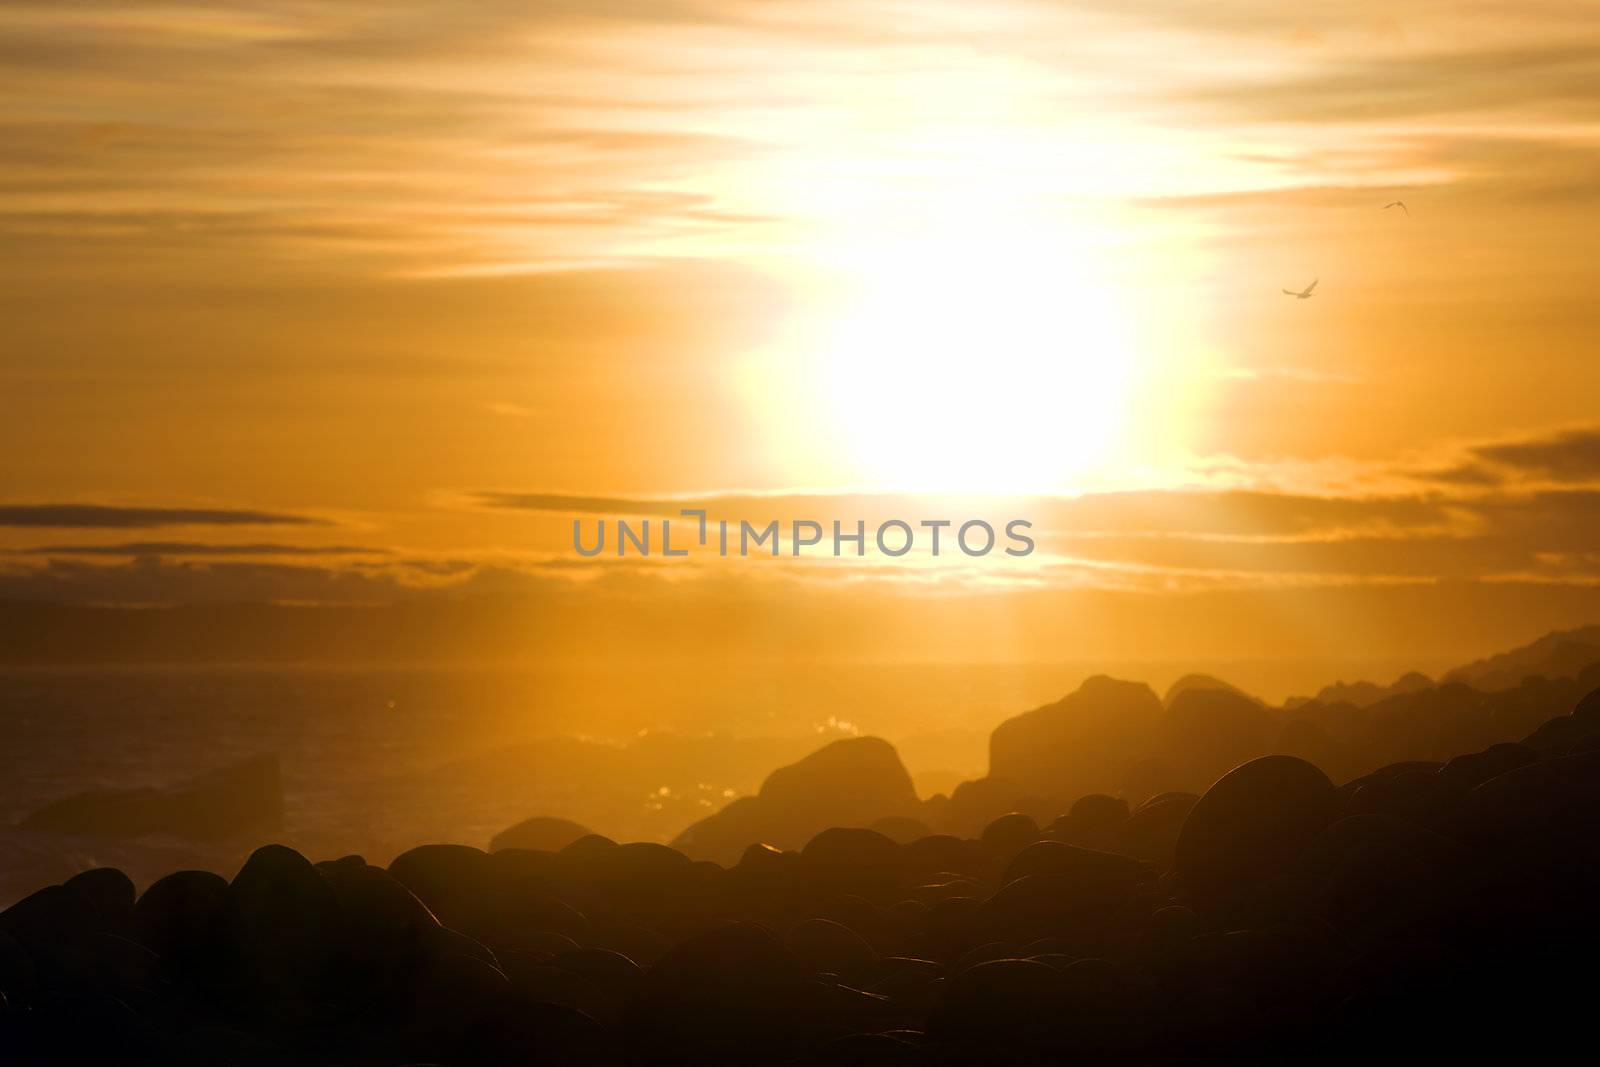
{"x": 385, "y": 756}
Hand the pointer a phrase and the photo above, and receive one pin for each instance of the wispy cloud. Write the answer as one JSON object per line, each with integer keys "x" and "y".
{"x": 106, "y": 516}
{"x": 1556, "y": 80}
{"x": 1568, "y": 456}
{"x": 200, "y": 548}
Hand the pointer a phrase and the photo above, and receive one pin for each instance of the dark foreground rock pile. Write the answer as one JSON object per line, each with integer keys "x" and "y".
{"x": 1423, "y": 911}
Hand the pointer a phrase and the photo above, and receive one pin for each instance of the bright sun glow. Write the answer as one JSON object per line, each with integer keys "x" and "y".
{"x": 977, "y": 362}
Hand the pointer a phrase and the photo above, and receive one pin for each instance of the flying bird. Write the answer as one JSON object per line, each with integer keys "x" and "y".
{"x": 1401, "y": 204}
{"x": 1304, "y": 294}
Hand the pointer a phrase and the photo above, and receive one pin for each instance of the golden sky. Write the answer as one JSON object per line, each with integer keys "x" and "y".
{"x": 350, "y": 301}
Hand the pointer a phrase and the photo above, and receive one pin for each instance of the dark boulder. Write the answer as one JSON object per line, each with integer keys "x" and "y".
{"x": 1200, "y": 681}
{"x": 1467, "y": 772}
{"x": 1006, "y": 836}
{"x": 238, "y": 801}
{"x": 1207, "y": 732}
{"x": 1561, "y": 735}
{"x": 860, "y": 862}
{"x": 1249, "y": 828}
{"x": 901, "y": 829}
{"x": 1540, "y": 821}
{"x": 540, "y": 834}
{"x": 283, "y": 933}
{"x": 1081, "y": 744}
{"x": 941, "y": 853}
{"x": 1092, "y": 822}
{"x": 110, "y": 893}
{"x": 822, "y": 945}
{"x": 385, "y": 928}
{"x": 734, "y": 994}
{"x": 456, "y": 882}
{"x": 1380, "y": 878}
{"x": 1057, "y": 857}
{"x": 853, "y": 782}
{"x": 1587, "y": 710}
{"x": 1052, "y": 905}
{"x": 180, "y": 918}
{"x": 1151, "y": 832}
{"x": 1000, "y": 1006}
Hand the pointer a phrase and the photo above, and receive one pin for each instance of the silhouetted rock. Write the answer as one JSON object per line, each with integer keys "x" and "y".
{"x": 110, "y": 893}
{"x": 1275, "y": 919}
{"x": 1248, "y": 829}
{"x": 282, "y": 930}
{"x": 1151, "y": 832}
{"x": 822, "y": 945}
{"x": 1201, "y": 681}
{"x": 1072, "y": 905}
{"x": 763, "y": 860}
{"x": 1207, "y": 732}
{"x": 849, "y": 860}
{"x": 733, "y": 994}
{"x": 242, "y": 800}
{"x": 456, "y": 882}
{"x": 587, "y": 847}
{"x": 853, "y": 782}
{"x": 1008, "y": 835}
{"x": 1056, "y": 857}
{"x": 540, "y": 833}
{"x": 1560, "y": 735}
{"x": 1316, "y": 745}
{"x": 1562, "y": 654}
{"x": 940, "y": 852}
{"x": 1365, "y": 694}
{"x": 1545, "y": 813}
{"x": 385, "y": 928}
{"x": 52, "y": 916}
{"x": 1587, "y": 710}
{"x": 1080, "y": 744}
{"x": 1148, "y": 778}
{"x": 1379, "y": 877}
{"x": 179, "y": 918}
{"x": 1420, "y": 796}
{"x": 1003, "y": 1004}
{"x": 977, "y": 803}
{"x": 901, "y": 829}
{"x": 1429, "y": 725}
{"x": 1473, "y": 769}
{"x": 1093, "y": 822}
{"x": 641, "y": 884}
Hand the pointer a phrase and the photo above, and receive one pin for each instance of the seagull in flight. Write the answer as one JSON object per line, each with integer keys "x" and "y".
{"x": 1304, "y": 294}
{"x": 1401, "y": 204}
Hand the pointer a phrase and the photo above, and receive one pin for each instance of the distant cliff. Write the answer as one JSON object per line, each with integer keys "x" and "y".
{"x": 1562, "y": 654}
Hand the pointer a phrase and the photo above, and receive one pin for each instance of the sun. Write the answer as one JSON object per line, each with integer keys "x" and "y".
{"x": 977, "y": 362}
